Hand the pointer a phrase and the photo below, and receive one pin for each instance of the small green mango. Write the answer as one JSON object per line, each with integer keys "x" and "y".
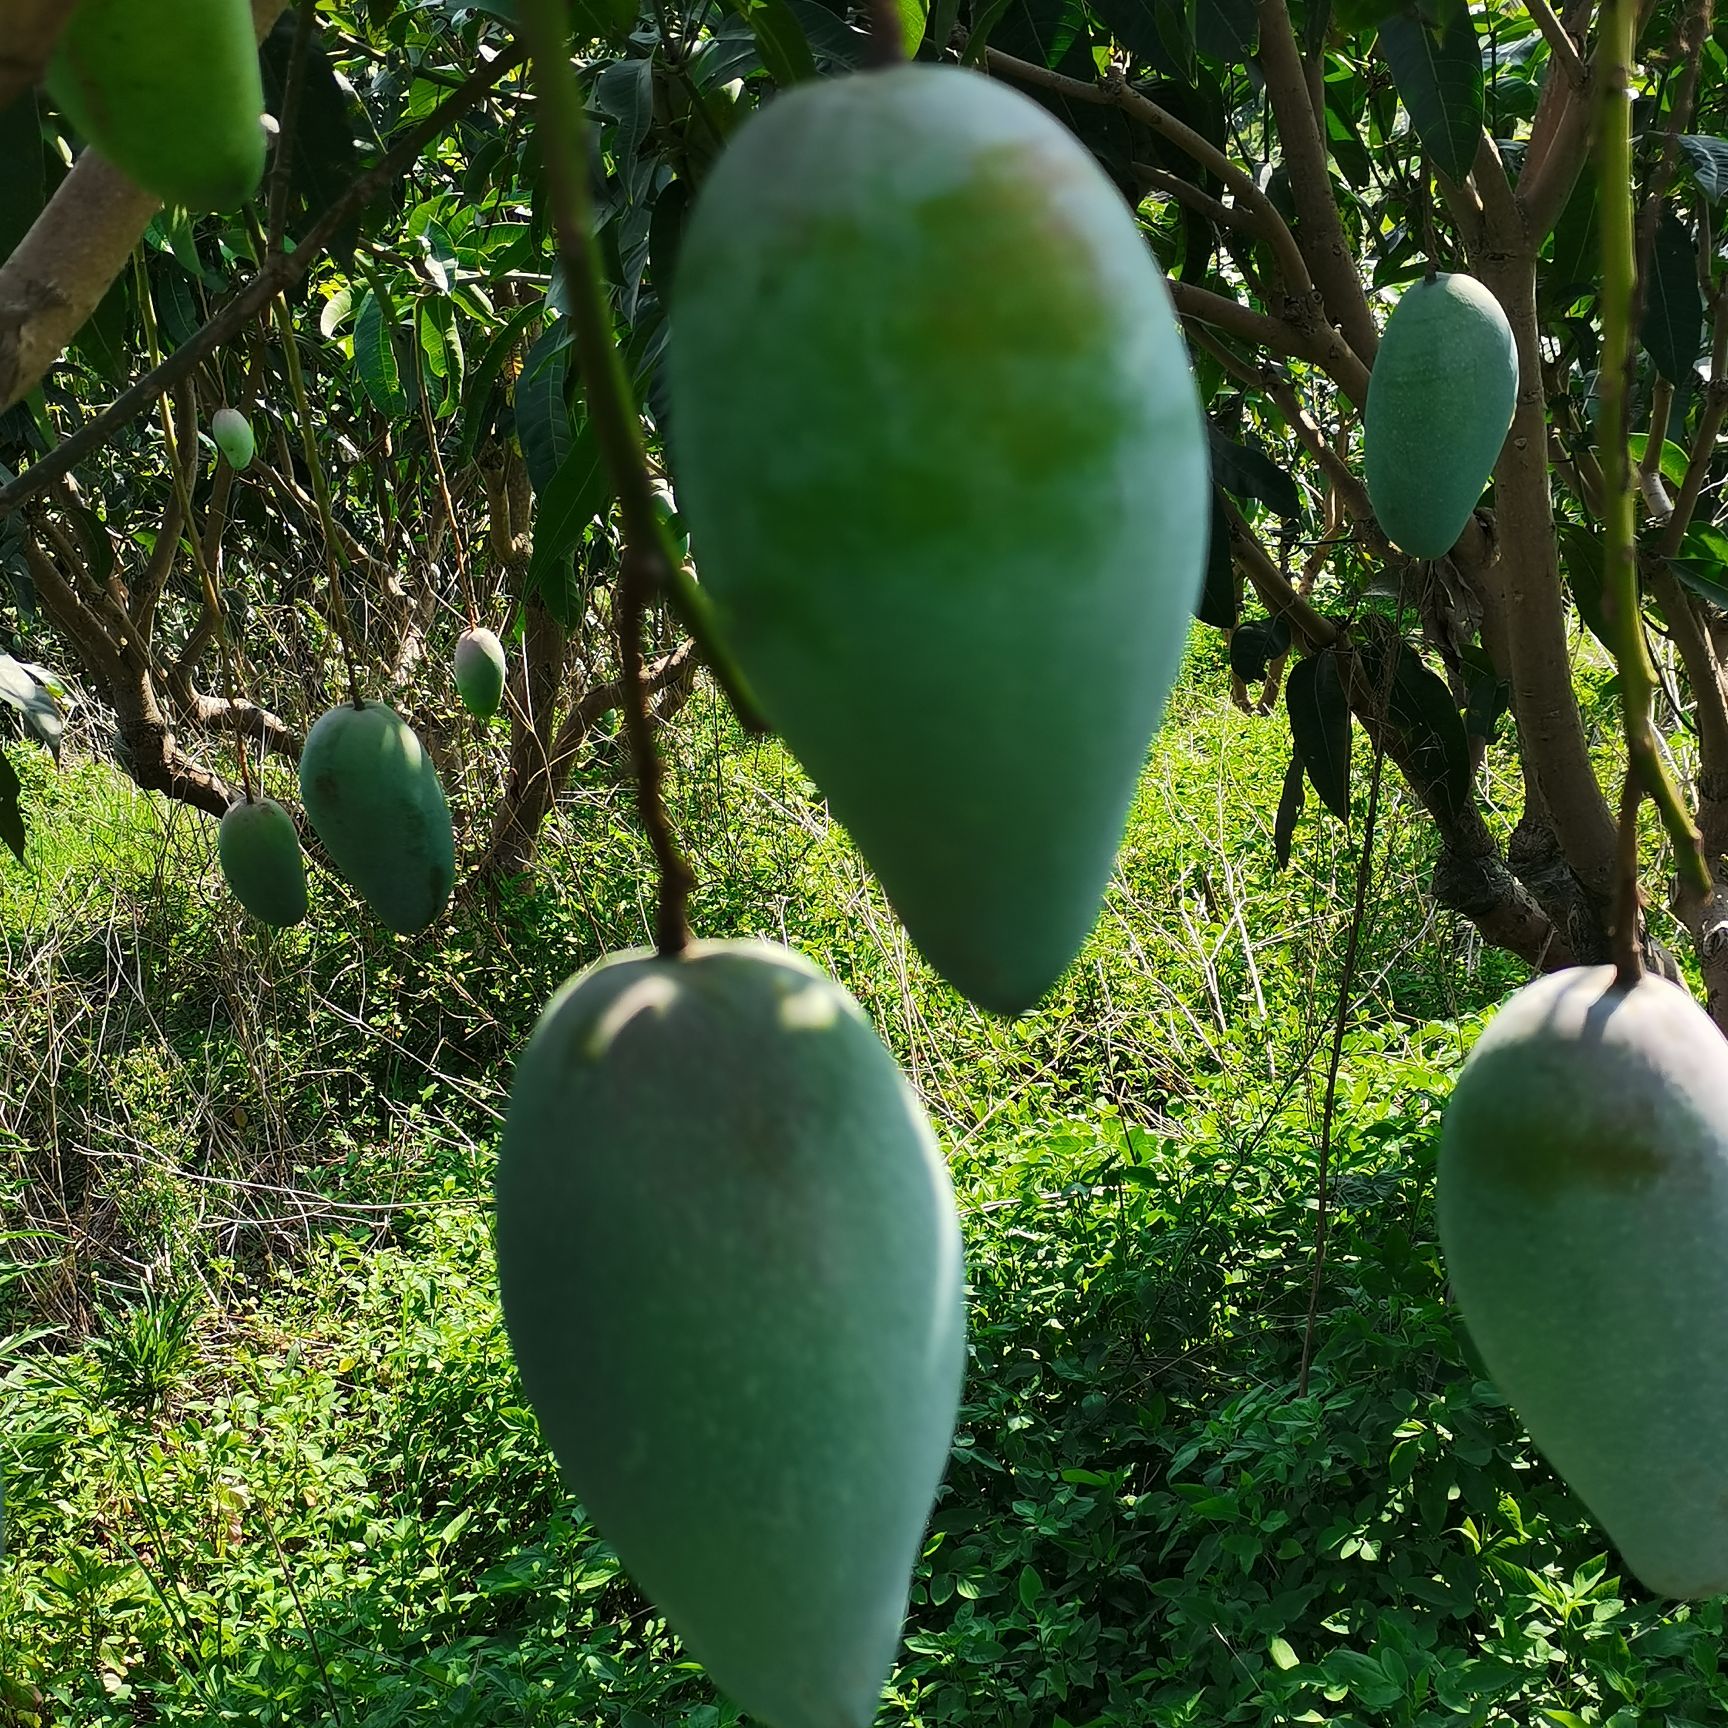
{"x": 260, "y": 854}
{"x": 170, "y": 92}
{"x": 1440, "y": 402}
{"x": 480, "y": 671}
{"x": 938, "y": 443}
{"x": 731, "y": 1273}
{"x": 372, "y": 796}
{"x": 233, "y": 434}
{"x": 1583, "y": 1208}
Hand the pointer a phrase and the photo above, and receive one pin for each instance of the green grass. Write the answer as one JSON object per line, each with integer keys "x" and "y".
{"x": 272, "y": 1465}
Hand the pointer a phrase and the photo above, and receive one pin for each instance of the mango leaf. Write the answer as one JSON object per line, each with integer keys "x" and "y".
{"x": 578, "y": 492}
{"x": 1439, "y": 80}
{"x": 542, "y": 409}
{"x": 375, "y": 354}
{"x": 11, "y": 809}
{"x": 1704, "y": 578}
{"x": 1256, "y": 644}
{"x": 781, "y": 43}
{"x": 24, "y": 185}
{"x": 1320, "y": 728}
{"x": 1708, "y": 159}
{"x": 1219, "y": 605}
{"x": 1421, "y": 706}
{"x": 1248, "y": 472}
{"x": 322, "y": 165}
{"x": 1227, "y": 30}
{"x": 475, "y": 416}
{"x": 36, "y": 705}
{"x": 1290, "y": 802}
{"x": 1673, "y": 327}
{"x": 1581, "y": 558}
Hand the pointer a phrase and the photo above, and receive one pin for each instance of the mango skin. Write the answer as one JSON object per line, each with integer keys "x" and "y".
{"x": 170, "y": 92}
{"x": 1583, "y": 1203}
{"x": 731, "y": 1273}
{"x": 938, "y": 444}
{"x": 233, "y": 434}
{"x": 1440, "y": 403}
{"x": 372, "y": 796}
{"x": 480, "y": 671}
{"x": 261, "y": 858}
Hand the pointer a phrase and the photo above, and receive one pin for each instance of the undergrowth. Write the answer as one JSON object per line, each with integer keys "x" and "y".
{"x": 266, "y": 1459}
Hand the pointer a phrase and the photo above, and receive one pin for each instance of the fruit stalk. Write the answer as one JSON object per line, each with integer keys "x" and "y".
{"x": 561, "y": 130}
{"x": 1646, "y": 772}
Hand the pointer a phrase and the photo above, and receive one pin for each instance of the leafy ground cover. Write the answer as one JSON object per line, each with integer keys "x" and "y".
{"x": 266, "y": 1460}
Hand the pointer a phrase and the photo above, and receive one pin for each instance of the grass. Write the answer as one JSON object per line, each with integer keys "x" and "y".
{"x": 271, "y": 1464}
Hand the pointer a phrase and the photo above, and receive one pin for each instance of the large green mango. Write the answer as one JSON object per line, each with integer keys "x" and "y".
{"x": 1583, "y": 1198}
{"x": 731, "y": 1272}
{"x": 372, "y": 796}
{"x": 1440, "y": 401}
{"x": 260, "y": 854}
{"x": 169, "y": 91}
{"x": 938, "y": 443}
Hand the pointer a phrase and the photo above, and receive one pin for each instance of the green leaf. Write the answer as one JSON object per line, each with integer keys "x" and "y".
{"x": 784, "y": 50}
{"x": 375, "y": 354}
{"x": 1673, "y": 327}
{"x": 1282, "y": 1655}
{"x": 477, "y": 396}
{"x": 1219, "y": 604}
{"x": 1704, "y": 579}
{"x": 1030, "y": 1588}
{"x": 578, "y": 492}
{"x": 1320, "y": 728}
{"x": 11, "y": 809}
{"x": 1421, "y": 706}
{"x": 323, "y": 165}
{"x": 542, "y": 409}
{"x": 1227, "y": 30}
{"x": 1708, "y": 159}
{"x": 41, "y": 713}
{"x": 1248, "y": 472}
{"x": 1581, "y": 558}
{"x": 1256, "y": 644}
{"x": 23, "y": 185}
{"x": 1439, "y": 80}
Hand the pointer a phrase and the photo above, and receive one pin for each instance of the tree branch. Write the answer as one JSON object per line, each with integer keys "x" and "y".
{"x": 1329, "y": 352}
{"x": 1561, "y": 47}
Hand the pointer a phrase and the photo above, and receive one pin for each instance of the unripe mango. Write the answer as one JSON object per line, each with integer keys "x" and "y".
{"x": 233, "y": 434}
{"x": 1583, "y": 1201}
{"x": 260, "y": 854}
{"x": 170, "y": 92}
{"x": 938, "y": 443}
{"x": 1440, "y": 402}
{"x": 731, "y": 1272}
{"x": 372, "y": 796}
{"x": 480, "y": 671}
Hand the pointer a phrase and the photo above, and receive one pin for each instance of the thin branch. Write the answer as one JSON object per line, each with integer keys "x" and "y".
{"x": 1561, "y": 47}
{"x": 1333, "y": 356}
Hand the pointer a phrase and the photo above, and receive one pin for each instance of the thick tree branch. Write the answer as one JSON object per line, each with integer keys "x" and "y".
{"x": 28, "y": 31}
{"x": 1562, "y": 49}
{"x": 1559, "y": 137}
{"x": 1319, "y": 230}
{"x": 276, "y": 275}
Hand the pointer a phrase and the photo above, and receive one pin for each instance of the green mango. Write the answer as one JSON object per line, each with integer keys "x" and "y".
{"x": 372, "y": 796}
{"x": 260, "y": 854}
{"x": 731, "y": 1273}
{"x": 233, "y": 434}
{"x": 1440, "y": 402}
{"x": 939, "y": 448}
{"x": 1583, "y": 1202}
{"x": 170, "y": 92}
{"x": 480, "y": 671}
